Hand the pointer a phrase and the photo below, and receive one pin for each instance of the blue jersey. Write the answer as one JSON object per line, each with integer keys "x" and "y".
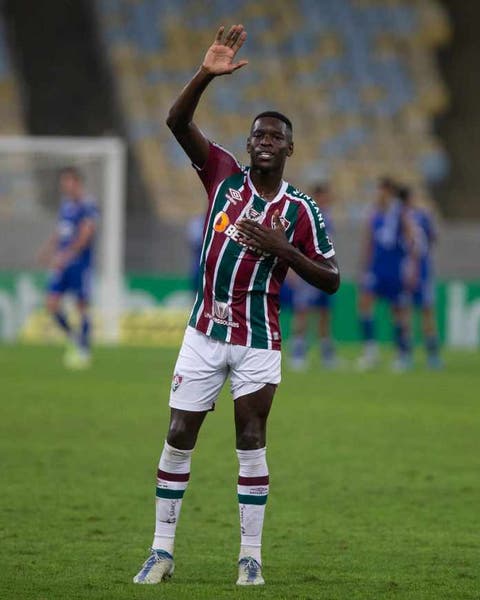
{"x": 426, "y": 237}
{"x": 70, "y": 217}
{"x": 195, "y": 242}
{"x": 389, "y": 247}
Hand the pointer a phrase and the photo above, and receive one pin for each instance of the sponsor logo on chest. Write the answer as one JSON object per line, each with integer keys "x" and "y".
{"x": 222, "y": 224}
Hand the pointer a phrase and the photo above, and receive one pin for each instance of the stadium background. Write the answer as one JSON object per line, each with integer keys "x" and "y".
{"x": 372, "y": 87}
{"x": 374, "y": 476}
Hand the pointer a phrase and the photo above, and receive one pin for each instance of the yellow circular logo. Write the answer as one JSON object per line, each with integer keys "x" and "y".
{"x": 221, "y": 221}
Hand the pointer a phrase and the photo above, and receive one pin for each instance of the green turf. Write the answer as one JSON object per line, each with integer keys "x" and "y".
{"x": 375, "y": 487}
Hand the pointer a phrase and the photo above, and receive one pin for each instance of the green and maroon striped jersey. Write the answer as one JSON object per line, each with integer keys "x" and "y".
{"x": 238, "y": 296}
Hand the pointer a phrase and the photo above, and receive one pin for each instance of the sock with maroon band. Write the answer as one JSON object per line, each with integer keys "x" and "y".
{"x": 172, "y": 480}
{"x": 253, "y": 483}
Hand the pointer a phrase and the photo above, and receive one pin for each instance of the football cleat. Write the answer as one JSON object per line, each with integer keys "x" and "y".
{"x": 249, "y": 572}
{"x": 158, "y": 567}
{"x": 76, "y": 358}
{"x": 402, "y": 364}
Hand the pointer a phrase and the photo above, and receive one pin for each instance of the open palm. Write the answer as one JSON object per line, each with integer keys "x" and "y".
{"x": 221, "y": 54}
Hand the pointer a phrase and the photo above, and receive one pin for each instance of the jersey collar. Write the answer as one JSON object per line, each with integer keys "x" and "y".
{"x": 280, "y": 193}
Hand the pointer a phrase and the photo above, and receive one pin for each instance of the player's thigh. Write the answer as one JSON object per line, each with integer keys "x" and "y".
{"x": 53, "y": 301}
{"x": 200, "y": 372}
{"x": 57, "y": 285}
{"x": 80, "y": 284}
{"x": 252, "y": 368}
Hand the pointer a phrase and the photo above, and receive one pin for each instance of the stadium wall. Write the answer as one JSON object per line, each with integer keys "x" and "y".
{"x": 155, "y": 310}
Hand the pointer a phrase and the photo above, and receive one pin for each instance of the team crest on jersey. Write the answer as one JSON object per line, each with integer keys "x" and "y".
{"x": 253, "y": 214}
{"x": 285, "y": 222}
{"x": 233, "y": 196}
{"x": 176, "y": 382}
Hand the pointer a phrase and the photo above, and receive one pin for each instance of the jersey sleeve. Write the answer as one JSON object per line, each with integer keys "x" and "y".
{"x": 220, "y": 165}
{"x": 311, "y": 235}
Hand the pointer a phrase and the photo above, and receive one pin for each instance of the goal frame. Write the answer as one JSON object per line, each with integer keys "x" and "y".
{"x": 112, "y": 242}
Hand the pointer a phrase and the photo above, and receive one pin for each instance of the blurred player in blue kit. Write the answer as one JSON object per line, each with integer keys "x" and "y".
{"x": 69, "y": 254}
{"x": 194, "y": 236}
{"x": 388, "y": 267}
{"x": 307, "y": 300}
{"x": 423, "y": 292}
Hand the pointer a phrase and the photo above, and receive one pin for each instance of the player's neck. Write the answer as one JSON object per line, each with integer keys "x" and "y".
{"x": 267, "y": 184}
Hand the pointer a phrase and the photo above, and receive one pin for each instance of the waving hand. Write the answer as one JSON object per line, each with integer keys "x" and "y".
{"x": 221, "y": 54}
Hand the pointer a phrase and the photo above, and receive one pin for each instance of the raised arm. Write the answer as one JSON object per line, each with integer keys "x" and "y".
{"x": 219, "y": 60}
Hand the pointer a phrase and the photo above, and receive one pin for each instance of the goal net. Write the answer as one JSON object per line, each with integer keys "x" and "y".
{"x": 29, "y": 202}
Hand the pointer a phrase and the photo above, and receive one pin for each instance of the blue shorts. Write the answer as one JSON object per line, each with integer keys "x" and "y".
{"x": 390, "y": 289}
{"x": 424, "y": 295}
{"x": 75, "y": 279}
{"x": 306, "y": 296}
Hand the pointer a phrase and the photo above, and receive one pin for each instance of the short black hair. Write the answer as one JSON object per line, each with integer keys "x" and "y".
{"x": 388, "y": 183}
{"x": 276, "y": 115}
{"x": 72, "y": 172}
{"x": 404, "y": 193}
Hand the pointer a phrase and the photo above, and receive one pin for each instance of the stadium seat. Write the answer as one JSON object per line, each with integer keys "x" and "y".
{"x": 358, "y": 78}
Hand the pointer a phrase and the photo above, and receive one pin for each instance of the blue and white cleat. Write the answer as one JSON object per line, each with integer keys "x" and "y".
{"x": 249, "y": 572}
{"x": 158, "y": 567}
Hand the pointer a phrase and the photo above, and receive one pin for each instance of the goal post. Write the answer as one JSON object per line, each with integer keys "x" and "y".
{"x": 27, "y": 164}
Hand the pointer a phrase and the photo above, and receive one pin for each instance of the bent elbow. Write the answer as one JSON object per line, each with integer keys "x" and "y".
{"x": 171, "y": 121}
{"x": 335, "y": 284}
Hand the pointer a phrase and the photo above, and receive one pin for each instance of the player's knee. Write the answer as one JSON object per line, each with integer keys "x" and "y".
{"x": 251, "y": 437}
{"x": 180, "y": 435}
{"x": 52, "y": 304}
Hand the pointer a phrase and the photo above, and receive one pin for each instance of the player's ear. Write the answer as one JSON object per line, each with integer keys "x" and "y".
{"x": 249, "y": 145}
{"x": 290, "y": 149}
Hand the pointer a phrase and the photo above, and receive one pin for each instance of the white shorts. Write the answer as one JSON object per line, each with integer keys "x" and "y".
{"x": 204, "y": 364}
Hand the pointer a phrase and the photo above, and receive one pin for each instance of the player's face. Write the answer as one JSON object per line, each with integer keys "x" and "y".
{"x": 269, "y": 144}
{"x": 384, "y": 194}
{"x": 70, "y": 186}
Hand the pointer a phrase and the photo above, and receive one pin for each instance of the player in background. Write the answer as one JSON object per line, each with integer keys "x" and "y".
{"x": 389, "y": 245}
{"x": 257, "y": 226}
{"x": 423, "y": 294}
{"x": 194, "y": 236}
{"x": 69, "y": 254}
{"x": 308, "y": 300}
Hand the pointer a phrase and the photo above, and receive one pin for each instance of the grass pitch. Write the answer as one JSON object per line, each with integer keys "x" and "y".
{"x": 375, "y": 488}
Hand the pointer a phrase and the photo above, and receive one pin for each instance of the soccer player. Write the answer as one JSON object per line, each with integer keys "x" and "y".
{"x": 423, "y": 294}
{"x": 69, "y": 252}
{"x": 307, "y": 299}
{"x": 257, "y": 226}
{"x": 389, "y": 245}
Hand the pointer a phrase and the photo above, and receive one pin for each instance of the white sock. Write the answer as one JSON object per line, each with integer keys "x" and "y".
{"x": 253, "y": 484}
{"x": 172, "y": 480}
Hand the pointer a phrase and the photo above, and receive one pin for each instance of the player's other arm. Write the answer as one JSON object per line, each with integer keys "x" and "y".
{"x": 47, "y": 250}
{"x": 322, "y": 274}
{"x": 218, "y": 61}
